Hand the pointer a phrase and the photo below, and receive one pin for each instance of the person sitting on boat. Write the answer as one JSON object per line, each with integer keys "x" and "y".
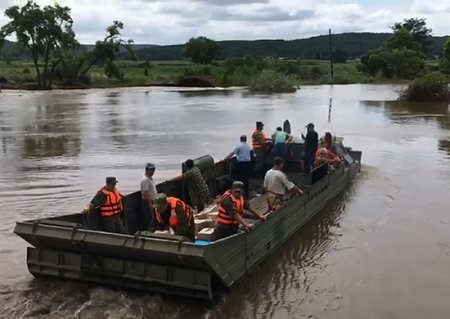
{"x": 324, "y": 154}
{"x": 280, "y": 140}
{"x": 276, "y": 184}
{"x": 328, "y": 138}
{"x": 173, "y": 213}
{"x": 243, "y": 166}
{"x": 231, "y": 213}
{"x": 196, "y": 183}
{"x": 108, "y": 202}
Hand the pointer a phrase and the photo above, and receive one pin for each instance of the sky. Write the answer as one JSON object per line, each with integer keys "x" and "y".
{"x": 175, "y": 21}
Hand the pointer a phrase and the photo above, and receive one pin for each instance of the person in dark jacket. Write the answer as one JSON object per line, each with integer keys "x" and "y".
{"x": 311, "y": 144}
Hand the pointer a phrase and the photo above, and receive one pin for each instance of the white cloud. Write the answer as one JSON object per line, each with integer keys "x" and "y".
{"x": 175, "y": 21}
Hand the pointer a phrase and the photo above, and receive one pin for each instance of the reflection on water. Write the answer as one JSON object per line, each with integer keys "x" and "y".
{"x": 362, "y": 257}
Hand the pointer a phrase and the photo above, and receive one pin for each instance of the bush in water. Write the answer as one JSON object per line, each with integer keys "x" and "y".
{"x": 430, "y": 87}
{"x": 269, "y": 81}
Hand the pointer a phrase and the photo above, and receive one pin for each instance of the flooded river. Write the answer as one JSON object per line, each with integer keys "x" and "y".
{"x": 381, "y": 250}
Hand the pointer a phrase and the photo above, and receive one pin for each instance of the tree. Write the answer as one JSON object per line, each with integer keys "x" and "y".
{"x": 445, "y": 59}
{"x": 77, "y": 63}
{"x": 375, "y": 61}
{"x": 402, "y": 63}
{"x": 417, "y": 27}
{"x": 43, "y": 32}
{"x": 405, "y": 63}
{"x": 201, "y": 50}
{"x": 403, "y": 39}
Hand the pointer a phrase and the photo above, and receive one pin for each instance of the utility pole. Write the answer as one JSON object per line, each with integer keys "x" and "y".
{"x": 331, "y": 56}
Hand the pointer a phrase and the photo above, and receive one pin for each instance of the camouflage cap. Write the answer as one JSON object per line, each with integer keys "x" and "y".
{"x": 237, "y": 186}
{"x": 160, "y": 200}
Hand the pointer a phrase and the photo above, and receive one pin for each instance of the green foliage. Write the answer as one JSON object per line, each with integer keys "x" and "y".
{"x": 339, "y": 56}
{"x": 77, "y": 63}
{"x": 430, "y": 87}
{"x": 44, "y": 32}
{"x": 406, "y": 63}
{"x": 401, "y": 63}
{"x": 201, "y": 50}
{"x": 418, "y": 28}
{"x": 403, "y": 39}
{"x": 375, "y": 61}
{"x": 445, "y": 59}
{"x": 402, "y": 55}
{"x": 269, "y": 81}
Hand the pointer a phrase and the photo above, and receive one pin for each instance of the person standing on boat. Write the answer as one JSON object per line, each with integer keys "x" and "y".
{"x": 276, "y": 184}
{"x": 173, "y": 213}
{"x": 148, "y": 193}
{"x": 280, "y": 140}
{"x": 196, "y": 183}
{"x": 108, "y": 201}
{"x": 311, "y": 144}
{"x": 243, "y": 166}
{"x": 259, "y": 144}
{"x": 231, "y": 213}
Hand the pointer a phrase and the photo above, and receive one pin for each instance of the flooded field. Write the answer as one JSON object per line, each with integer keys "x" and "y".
{"x": 382, "y": 250}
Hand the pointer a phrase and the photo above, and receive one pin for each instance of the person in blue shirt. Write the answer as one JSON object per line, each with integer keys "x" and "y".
{"x": 243, "y": 166}
{"x": 280, "y": 140}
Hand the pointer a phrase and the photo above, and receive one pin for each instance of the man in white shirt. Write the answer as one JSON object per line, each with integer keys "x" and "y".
{"x": 148, "y": 192}
{"x": 243, "y": 167}
{"x": 276, "y": 184}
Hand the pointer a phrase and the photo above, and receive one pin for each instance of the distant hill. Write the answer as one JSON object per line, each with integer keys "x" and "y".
{"x": 316, "y": 48}
{"x": 355, "y": 44}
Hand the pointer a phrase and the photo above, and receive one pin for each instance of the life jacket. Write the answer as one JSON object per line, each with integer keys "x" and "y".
{"x": 255, "y": 143}
{"x": 223, "y": 217}
{"x": 113, "y": 204}
{"x": 173, "y": 219}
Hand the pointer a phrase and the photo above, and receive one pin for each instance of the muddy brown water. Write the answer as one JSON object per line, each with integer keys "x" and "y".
{"x": 381, "y": 250}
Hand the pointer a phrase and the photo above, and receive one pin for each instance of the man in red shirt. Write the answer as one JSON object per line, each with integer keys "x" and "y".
{"x": 325, "y": 155}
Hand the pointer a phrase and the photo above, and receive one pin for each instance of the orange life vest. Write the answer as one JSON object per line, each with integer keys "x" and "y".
{"x": 255, "y": 143}
{"x": 173, "y": 219}
{"x": 224, "y": 217}
{"x": 113, "y": 205}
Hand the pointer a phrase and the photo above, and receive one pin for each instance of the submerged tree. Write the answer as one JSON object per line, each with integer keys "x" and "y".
{"x": 77, "y": 63}
{"x": 44, "y": 33}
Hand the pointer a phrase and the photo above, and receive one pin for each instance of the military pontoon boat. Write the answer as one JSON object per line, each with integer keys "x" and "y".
{"x": 65, "y": 247}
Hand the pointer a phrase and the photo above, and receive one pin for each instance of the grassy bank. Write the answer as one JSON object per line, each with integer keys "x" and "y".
{"x": 232, "y": 72}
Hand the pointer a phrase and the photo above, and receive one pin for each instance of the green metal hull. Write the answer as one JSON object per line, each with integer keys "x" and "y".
{"x": 170, "y": 265}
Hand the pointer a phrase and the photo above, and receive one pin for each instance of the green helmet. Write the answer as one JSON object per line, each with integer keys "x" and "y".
{"x": 237, "y": 185}
{"x": 160, "y": 200}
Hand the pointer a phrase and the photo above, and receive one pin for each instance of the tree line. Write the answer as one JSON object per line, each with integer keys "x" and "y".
{"x": 46, "y": 35}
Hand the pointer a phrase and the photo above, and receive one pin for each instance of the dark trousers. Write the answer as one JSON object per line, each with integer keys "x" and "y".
{"x": 146, "y": 219}
{"x": 242, "y": 172}
{"x": 190, "y": 233}
{"x": 113, "y": 224}
{"x": 281, "y": 150}
{"x": 222, "y": 231}
{"x": 310, "y": 157}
